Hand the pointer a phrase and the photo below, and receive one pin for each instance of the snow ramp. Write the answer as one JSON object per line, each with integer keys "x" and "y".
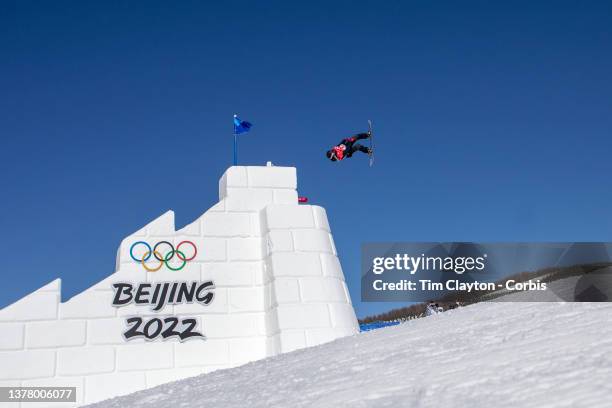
{"x": 485, "y": 355}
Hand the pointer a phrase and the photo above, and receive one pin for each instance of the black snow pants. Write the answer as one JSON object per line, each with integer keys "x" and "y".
{"x": 352, "y": 146}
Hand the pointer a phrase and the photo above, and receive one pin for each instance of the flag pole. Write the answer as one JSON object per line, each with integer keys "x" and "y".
{"x": 235, "y": 145}
{"x": 235, "y": 149}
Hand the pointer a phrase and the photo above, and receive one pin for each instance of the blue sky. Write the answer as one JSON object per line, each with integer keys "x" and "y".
{"x": 492, "y": 120}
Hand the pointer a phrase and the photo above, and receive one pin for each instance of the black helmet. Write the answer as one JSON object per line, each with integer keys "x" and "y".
{"x": 331, "y": 155}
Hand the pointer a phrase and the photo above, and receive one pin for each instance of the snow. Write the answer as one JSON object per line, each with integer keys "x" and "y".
{"x": 494, "y": 354}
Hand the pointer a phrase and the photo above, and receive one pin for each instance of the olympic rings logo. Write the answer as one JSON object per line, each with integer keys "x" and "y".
{"x": 163, "y": 259}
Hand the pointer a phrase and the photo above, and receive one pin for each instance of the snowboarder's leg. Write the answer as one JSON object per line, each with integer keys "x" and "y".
{"x": 361, "y": 136}
{"x": 354, "y": 138}
{"x": 359, "y": 147}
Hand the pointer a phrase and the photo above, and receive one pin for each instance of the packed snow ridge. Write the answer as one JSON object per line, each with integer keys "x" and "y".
{"x": 484, "y": 355}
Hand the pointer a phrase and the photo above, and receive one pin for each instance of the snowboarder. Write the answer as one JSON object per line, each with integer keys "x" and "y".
{"x": 347, "y": 147}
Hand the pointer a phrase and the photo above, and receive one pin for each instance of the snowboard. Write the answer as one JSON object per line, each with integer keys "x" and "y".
{"x": 371, "y": 142}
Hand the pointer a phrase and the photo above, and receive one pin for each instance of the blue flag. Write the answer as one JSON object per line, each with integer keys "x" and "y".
{"x": 241, "y": 126}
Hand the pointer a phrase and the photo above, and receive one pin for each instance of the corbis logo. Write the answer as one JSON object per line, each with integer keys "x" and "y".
{"x": 156, "y": 252}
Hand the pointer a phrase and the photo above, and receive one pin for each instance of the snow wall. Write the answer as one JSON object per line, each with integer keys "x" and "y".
{"x": 277, "y": 286}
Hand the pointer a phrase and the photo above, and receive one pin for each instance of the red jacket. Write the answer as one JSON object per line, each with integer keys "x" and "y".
{"x": 339, "y": 151}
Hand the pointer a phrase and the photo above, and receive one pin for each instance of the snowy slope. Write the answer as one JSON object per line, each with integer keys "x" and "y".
{"x": 484, "y": 355}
